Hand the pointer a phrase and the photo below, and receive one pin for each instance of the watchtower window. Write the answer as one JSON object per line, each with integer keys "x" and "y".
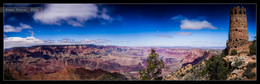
{"x": 235, "y": 12}
{"x": 230, "y": 39}
{"x": 236, "y": 39}
{"x": 235, "y": 29}
{"x": 235, "y": 46}
{"x": 244, "y": 12}
{"x": 239, "y": 12}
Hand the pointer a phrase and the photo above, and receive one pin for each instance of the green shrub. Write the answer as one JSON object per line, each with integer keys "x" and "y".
{"x": 182, "y": 75}
{"x": 187, "y": 71}
{"x": 252, "y": 47}
{"x": 191, "y": 70}
{"x": 238, "y": 62}
{"x": 8, "y": 75}
{"x": 248, "y": 72}
{"x": 233, "y": 52}
{"x": 224, "y": 53}
{"x": 216, "y": 68}
{"x": 251, "y": 65}
{"x": 109, "y": 77}
{"x": 251, "y": 75}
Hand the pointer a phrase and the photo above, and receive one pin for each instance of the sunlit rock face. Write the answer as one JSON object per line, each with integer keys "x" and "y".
{"x": 49, "y": 59}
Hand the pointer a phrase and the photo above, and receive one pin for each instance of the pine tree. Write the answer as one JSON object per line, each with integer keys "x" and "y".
{"x": 216, "y": 68}
{"x": 154, "y": 67}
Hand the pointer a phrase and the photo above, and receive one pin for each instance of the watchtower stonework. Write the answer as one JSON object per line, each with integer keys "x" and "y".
{"x": 238, "y": 33}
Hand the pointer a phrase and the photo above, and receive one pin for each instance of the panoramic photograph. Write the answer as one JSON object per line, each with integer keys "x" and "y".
{"x": 129, "y": 42}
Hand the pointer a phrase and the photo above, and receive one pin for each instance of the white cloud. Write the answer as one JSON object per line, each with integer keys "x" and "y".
{"x": 9, "y": 28}
{"x": 178, "y": 17}
{"x": 32, "y": 33}
{"x": 74, "y": 23}
{"x": 97, "y": 41}
{"x": 10, "y": 42}
{"x": 66, "y": 40}
{"x": 73, "y": 14}
{"x": 105, "y": 16}
{"x": 167, "y": 36}
{"x": 196, "y": 25}
{"x": 21, "y": 42}
{"x": 184, "y": 33}
{"x": 49, "y": 41}
{"x": 85, "y": 41}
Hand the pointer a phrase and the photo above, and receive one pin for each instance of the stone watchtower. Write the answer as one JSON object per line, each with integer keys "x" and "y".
{"x": 238, "y": 33}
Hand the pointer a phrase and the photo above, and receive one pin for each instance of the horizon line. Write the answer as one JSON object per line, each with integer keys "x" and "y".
{"x": 202, "y": 47}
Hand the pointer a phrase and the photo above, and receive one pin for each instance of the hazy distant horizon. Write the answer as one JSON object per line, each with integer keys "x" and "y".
{"x": 185, "y": 47}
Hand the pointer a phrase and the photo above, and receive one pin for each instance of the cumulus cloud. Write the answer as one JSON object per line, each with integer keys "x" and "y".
{"x": 85, "y": 41}
{"x": 184, "y": 33}
{"x": 104, "y": 15}
{"x": 10, "y": 28}
{"x": 194, "y": 24}
{"x": 100, "y": 41}
{"x": 10, "y": 42}
{"x": 97, "y": 41}
{"x": 49, "y": 41}
{"x": 73, "y": 14}
{"x": 21, "y": 42}
{"x": 166, "y": 36}
{"x": 66, "y": 40}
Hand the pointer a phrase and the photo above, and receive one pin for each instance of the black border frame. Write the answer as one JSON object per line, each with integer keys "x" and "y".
{"x": 131, "y": 2}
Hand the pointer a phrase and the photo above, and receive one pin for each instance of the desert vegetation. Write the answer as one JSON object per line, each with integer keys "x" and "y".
{"x": 154, "y": 67}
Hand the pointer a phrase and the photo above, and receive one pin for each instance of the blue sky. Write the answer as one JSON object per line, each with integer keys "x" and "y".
{"x": 195, "y": 25}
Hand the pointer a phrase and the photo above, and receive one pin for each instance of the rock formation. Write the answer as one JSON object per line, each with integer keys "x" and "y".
{"x": 49, "y": 59}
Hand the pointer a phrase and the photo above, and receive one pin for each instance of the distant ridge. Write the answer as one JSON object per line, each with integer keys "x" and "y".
{"x": 185, "y": 47}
